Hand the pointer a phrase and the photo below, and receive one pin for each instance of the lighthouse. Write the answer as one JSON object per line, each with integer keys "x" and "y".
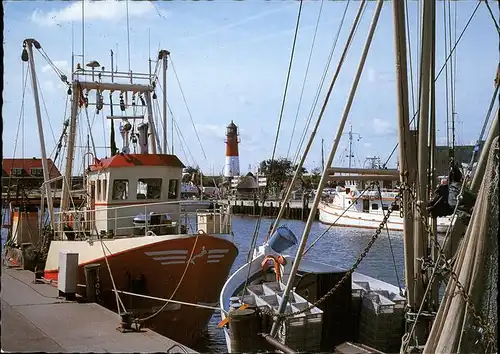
{"x": 232, "y": 167}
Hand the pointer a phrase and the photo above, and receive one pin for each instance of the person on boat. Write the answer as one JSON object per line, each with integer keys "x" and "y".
{"x": 446, "y": 195}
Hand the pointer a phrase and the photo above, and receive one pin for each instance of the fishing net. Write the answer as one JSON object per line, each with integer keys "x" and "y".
{"x": 457, "y": 328}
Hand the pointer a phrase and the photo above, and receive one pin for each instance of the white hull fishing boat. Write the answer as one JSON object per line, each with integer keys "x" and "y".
{"x": 158, "y": 266}
{"x": 293, "y": 304}
{"x": 350, "y": 207}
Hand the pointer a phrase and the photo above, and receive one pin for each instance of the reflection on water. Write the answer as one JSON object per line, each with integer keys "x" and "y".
{"x": 339, "y": 247}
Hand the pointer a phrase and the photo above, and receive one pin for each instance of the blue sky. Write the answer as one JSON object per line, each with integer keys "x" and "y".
{"x": 232, "y": 59}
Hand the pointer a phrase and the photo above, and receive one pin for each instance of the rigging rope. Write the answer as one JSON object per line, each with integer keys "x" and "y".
{"x": 390, "y": 242}
{"x": 322, "y": 82}
{"x": 440, "y": 71}
{"x": 458, "y": 40}
{"x": 287, "y": 80}
{"x": 452, "y": 80}
{"x": 410, "y": 58}
{"x": 45, "y": 108}
{"x": 261, "y": 213}
{"x": 188, "y": 262}
{"x": 445, "y": 52}
{"x": 305, "y": 77}
{"x": 492, "y": 16}
{"x": 187, "y": 107}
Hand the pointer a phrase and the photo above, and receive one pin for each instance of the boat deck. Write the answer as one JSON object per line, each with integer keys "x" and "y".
{"x": 35, "y": 319}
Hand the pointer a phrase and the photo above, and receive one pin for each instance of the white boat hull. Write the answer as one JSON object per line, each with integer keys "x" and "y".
{"x": 329, "y": 214}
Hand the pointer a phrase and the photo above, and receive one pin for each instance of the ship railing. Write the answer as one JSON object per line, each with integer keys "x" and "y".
{"x": 81, "y": 223}
{"x": 98, "y": 73}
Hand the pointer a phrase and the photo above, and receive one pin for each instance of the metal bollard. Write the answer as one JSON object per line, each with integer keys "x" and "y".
{"x": 91, "y": 278}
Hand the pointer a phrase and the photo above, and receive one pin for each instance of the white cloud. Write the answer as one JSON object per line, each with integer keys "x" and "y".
{"x": 372, "y": 75}
{"x": 49, "y": 86}
{"x": 375, "y": 76}
{"x": 62, "y": 65}
{"x": 383, "y": 127}
{"x": 216, "y": 131}
{"x": 110, "y": 10}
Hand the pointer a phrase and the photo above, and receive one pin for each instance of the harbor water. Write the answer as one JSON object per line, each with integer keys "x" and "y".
{"x": 339, "y": 246}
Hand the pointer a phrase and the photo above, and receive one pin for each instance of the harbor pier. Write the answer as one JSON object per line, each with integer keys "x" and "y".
{"x": 36, "y": 319}
{"x": 294, "y": 209}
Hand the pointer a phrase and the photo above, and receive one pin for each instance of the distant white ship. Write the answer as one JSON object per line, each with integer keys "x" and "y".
{"x": 365, "y": 211}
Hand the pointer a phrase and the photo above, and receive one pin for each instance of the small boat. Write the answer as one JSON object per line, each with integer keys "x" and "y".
{"x": 347, "y": 206}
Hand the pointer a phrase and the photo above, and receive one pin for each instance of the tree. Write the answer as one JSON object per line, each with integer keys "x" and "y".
{"x": 315, "y": 176}
{"x": 277, "y": 172}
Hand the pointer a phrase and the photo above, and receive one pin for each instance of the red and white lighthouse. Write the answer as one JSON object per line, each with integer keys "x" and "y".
{"x": 232, "y": 167}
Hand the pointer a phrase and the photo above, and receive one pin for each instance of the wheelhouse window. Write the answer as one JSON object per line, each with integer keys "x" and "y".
{"x": 104, "y": 189}
{"x": 120, "y": 189}
{"x": 99, "y": 190}
{"x": 172, "y": 189}
{"x": 149, "y": 188}
{"x": 374, "y": 206}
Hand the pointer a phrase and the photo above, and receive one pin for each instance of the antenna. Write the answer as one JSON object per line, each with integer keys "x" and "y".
{"x": 72, "y": 48}
{"x": 149, "y": 50}
{"x": 83, "y": 32}
{"x": 350, "y": 144}
{"x": 128, "y": 37}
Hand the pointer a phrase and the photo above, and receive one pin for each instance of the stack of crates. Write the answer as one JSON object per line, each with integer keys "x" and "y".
{"x": 381, "y": 322}
{"x": 300, "y": 332}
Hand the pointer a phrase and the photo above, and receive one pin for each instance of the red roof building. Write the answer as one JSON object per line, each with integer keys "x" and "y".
{"x": 29, "y": 171}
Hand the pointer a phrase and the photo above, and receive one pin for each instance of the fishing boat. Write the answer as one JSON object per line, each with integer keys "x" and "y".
{"x": 291, "y": 304}
{"x": 348, "y": 206}
{"x": 159, "y": 266}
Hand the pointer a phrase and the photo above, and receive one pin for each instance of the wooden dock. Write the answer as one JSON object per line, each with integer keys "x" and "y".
{"x": 35, "y": 319}
{"x": 294, "y": 209}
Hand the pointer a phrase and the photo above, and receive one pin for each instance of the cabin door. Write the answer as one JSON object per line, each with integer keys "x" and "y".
{"x": 366, "y": 206}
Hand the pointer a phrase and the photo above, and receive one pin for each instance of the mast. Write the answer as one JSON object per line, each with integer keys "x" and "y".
{"x": 324, "y": 177}
{"x": 71, "y": 148}
{"x": 318, "y": 121}
{"x": 163, "y": 55}
{"x": 322, "y": 154}
{"x": 481, "y": 164}
{"x": 434, "y": 297}
{"x": 421, "y": 236}
{"x": 350, "y": 147}
{"x": 28, "y": 49}
{"x": 406, "y": 167}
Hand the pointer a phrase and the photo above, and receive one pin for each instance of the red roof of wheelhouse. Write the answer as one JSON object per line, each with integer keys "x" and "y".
{"x": 133, "y": 160}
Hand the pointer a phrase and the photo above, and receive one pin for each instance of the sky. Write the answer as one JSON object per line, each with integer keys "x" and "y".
{"x": 232, "y": 58}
